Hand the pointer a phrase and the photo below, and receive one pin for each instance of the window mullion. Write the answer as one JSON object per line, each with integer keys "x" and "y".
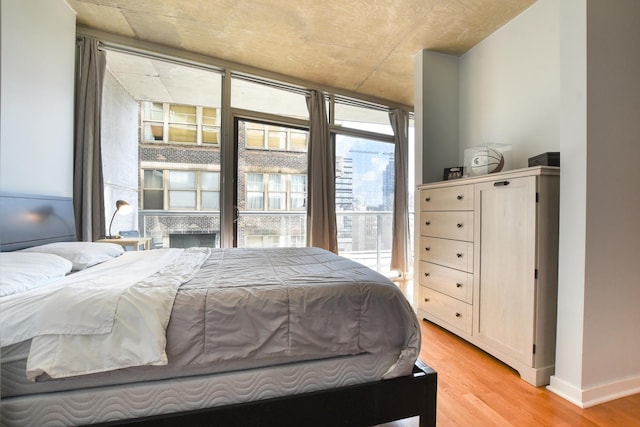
{"x": 198, "y": 190}
{"x": 287, "y": 141}
{"x": 199, "y": 125}
{"x": 165, "y": 190}
{"x": 265, "y": 138}
{"x": 287, "y": 189}
{"x": 165, "y": 122}
{"x": 265, "y": 191}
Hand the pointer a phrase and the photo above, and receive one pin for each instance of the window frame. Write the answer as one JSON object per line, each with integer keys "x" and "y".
{"x": 267, "y": 129}
{"x": 166, "y": 189}
{"x": 267, "y": 191}
{"x": 168, "y": 123}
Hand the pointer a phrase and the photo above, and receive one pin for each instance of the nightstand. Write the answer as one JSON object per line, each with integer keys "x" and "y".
{"x": 134, "y": 242}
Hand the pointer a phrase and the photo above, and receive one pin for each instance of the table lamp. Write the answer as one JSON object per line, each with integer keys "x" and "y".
{"x": 122, "y": 207}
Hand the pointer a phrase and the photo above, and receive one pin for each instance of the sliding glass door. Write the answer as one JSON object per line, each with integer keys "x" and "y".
{"x": 271, "y": 184}
{"x": 364, "y": 199}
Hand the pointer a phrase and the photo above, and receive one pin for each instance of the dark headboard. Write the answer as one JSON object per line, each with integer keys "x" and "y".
{"x": 29, "y": 220}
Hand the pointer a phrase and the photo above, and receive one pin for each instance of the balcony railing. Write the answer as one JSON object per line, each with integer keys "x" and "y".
{"x": 363, "y": 236}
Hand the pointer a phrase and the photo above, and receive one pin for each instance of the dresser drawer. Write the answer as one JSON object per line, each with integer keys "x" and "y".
{"x": 450, "y": 310}
{"x": 455, "y": 283}
{"x": 457, "y": 225}
{"x": 458, "y": 197}
{"x": 449, "y": 253}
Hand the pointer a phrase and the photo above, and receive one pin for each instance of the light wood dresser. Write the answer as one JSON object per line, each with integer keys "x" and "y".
{"x": 487, "y": 262}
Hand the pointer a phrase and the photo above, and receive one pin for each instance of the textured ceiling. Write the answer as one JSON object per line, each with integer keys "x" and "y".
{"x": 362, "y": 46}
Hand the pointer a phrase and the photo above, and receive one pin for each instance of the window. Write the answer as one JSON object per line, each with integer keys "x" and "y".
{"x": 365, "y": 158}
{"x": 366, "y": 175}
{"x": 255, "y": 94}
{"x": 255, "y": 136}
{"x": 179, "y": 157}
{"x": 269, "y": 137}
{"x": 298, "y": 140}
{"x": 210, "y": 126}
{"x": 180, "y": 124}
{"x": 298, "y": 192}
{"x": 153, "y": 189}
{"x": 210, "y": 189}
{"x": 255, "y": 191}
{"x": 277, "y": 138}
{"x": 271, "y": 184}
{"x": 283, "y": 192}
{"x": 277, "y": 192}
{"x": 153, "y": 122}
{"x": 182, "y": 189}
{"x": 355, "y": 114}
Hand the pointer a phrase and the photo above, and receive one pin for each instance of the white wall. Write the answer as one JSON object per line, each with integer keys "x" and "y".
{"x": 437, "y": 115}
{"x": 612, "y": 273}
{"x": 509, "y": 87}
{"x": 119, "y": 133}
{"x": 37, "y": 86}
{"x": 573, "y": 190}
{"x": 598, "y": 354}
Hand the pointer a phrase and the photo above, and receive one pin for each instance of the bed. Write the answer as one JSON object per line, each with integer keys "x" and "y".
{"x": 288, "y": 336}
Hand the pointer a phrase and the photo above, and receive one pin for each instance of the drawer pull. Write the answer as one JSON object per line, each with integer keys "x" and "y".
{"x": 427, "y": 199}
{"x": 459, "y": 225}
{"x": 426, "y": 300}
{"x": 459, "y": 255}
{"x": 501, "y": 183}
{"x": 459, "y": 197}
{"x": 427, "y": 248}
{"x": 458, "y": 315}
{"x": 427, "y": 223}
{"x": 427, "y": 274}
{"x": 458, "y": 285}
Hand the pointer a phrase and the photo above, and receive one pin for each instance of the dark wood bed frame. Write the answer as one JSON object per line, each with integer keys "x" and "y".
{"x": 29, "y": 220}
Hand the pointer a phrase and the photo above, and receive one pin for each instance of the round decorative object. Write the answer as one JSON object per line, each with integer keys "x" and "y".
{"x": 487, "y": 160}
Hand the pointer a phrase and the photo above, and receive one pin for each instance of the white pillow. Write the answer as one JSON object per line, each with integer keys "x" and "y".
{"x": 20, "y": 271}
{"x": 81, "y": 254}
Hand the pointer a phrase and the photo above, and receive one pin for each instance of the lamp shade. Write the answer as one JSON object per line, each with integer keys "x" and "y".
{"x": 123, "y": 207}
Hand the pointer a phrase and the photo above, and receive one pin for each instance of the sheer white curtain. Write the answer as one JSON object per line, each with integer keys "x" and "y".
{"x": 321, "y": 203}
{"x": 400, "y": 254}
{"x": 88, "y": 187}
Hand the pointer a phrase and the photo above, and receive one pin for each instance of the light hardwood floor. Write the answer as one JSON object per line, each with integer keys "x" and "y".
{"x": 475, "y": 389}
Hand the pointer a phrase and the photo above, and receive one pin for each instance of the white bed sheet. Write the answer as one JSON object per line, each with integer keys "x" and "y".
{"x": 109, "y": 317}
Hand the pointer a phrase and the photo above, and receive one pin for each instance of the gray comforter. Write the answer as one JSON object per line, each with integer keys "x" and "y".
{"x": 289, "y": 304}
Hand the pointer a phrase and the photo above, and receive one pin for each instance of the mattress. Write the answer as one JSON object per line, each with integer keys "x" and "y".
{"x": 116, "y": 402}
{"x": 272, "y": 322}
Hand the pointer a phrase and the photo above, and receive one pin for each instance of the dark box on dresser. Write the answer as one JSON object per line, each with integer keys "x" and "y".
{"x": 545, "y": 159}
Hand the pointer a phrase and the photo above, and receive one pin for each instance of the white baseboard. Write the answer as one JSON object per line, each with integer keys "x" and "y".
{"x": 565, "y": 390}
{"x": 586, "y": 398}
